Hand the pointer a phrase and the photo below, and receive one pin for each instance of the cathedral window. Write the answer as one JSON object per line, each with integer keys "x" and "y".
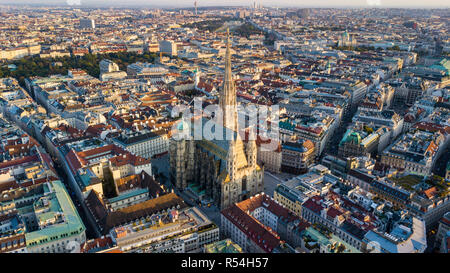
{"x": 244, "y": 183}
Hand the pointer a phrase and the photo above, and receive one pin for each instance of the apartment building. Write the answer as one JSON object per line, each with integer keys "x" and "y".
{"x": 144, "y": 143}
{"x": 51, "y": 220}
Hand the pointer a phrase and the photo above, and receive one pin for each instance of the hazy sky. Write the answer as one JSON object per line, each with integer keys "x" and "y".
{"x": 280, "y": 3}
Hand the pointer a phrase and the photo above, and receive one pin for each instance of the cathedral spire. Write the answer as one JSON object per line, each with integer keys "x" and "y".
{"x": 227, "y": 98}
{"x": 228, "y": 75}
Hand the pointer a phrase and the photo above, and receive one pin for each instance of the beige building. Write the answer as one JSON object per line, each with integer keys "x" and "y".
{"x": 297, "y": 156}
{"x": 414, "y": 152}
{"x": 184, "y": 230}
{"x": 271, "y": 160}
{"x": 268, "y": 157}
{"x": 19, "y": 52}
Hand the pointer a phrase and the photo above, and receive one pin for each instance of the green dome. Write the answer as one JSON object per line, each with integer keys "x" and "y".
{"x": 354, "y": 138}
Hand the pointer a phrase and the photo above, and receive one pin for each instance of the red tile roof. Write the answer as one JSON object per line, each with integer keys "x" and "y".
{"x": 38, "y": 181}
{"x": 129, "y": 182}
{"x": 73, "y": 161}
{"x": 433, "y": 127}
{"x": 17, "y": 149}
{"x": 8, "y": 185}
{"x": 119, "y": 157}
{"x": 205, "y": 86}
{"x": 97, "y": 244}
{"x": 240, "y": 215}
{"x": 265, "y": 201}
{"x": 333, "y": 212}
{"x": 128, "y": 158}
{"x": 264, "y": 238}
{"x": 97, "y": 152}
{"x": 69, "y": 130}
{"x": 314, "y": 204}
{"x": 19, "y": 161}
{"x": 97, "y": 129}
{"x": 431, "y": 192}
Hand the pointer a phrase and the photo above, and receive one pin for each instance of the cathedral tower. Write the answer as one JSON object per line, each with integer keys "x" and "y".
{"x": 227, "y": 99}
{"x": 225, "y": 169}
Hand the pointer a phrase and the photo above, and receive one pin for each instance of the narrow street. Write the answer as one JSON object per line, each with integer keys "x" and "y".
{"x": 271, "y": 182}
{"x": 63, "y": 177}
{"x": 441, "y": 163}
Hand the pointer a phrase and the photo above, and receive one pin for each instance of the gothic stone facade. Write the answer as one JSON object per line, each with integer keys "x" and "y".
{"x": 225, "y": 169}
{"x": 226, "y": 177}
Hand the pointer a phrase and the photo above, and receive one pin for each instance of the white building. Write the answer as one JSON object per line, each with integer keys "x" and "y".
{"x": 181, "y": 231}
{"x": 403, "y": 238}
{"x": 87, "y": 23}
{"x": 60, "y": 233}
{"x": 108, "y": 66}
{"x": 144, "y": 143}
{"x": 168, "y": 47}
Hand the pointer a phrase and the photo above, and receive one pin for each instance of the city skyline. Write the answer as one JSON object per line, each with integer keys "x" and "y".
{"x": 224, "y": 130}
{"x": 212, "y": 3}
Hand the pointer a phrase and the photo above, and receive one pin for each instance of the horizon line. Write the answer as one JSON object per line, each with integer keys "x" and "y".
{"x": 183, "y": 6}
{"x": 188, "y": 7}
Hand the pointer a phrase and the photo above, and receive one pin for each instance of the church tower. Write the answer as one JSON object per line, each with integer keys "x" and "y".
{"x": 227, "y": 98}
{"x": 226, "y": 169}
{"x": 251, "y": 148}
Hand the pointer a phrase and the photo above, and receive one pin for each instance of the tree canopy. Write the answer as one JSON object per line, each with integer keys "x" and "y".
{"x": 36, "y": 66}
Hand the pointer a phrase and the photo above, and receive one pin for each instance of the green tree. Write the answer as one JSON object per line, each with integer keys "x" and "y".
{"x": 368, "y": 129}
